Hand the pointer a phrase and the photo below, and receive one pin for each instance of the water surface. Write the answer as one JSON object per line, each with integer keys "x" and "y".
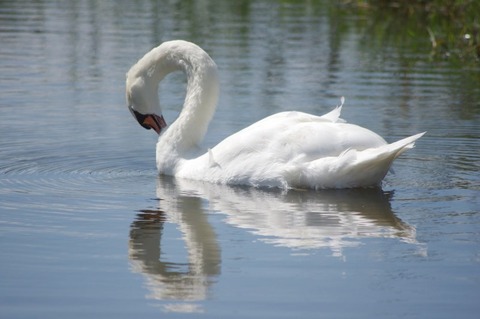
{"x": 87, "y": 228}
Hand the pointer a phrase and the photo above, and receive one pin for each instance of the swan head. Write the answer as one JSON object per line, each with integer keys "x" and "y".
{"x": 143, "y": 106}
{"x": 142, "y": 89}
{"x": 143, "y": 80}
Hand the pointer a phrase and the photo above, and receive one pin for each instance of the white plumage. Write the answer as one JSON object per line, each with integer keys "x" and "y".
{"x": 286, "y": 150}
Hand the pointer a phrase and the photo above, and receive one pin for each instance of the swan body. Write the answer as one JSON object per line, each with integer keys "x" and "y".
{"x": 285, "y": 150}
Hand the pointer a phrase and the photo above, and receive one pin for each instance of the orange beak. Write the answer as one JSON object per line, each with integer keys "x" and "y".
{"x": 156, "y": 122}
{"x": 148, "y": 121}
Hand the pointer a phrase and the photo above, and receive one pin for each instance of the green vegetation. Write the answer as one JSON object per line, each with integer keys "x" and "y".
{"x": 451, "y": 27}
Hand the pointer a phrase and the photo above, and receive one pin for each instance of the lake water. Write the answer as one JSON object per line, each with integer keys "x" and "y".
{"x": 88, "y": 229}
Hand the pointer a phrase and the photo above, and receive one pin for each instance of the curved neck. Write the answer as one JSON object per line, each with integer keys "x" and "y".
{"x": 201, "y": 97}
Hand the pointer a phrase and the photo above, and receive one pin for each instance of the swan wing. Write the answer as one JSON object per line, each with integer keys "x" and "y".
{"x": 298, "y": 150}
{"x": 264, "y": 152}
{"x": 290, "y": 136}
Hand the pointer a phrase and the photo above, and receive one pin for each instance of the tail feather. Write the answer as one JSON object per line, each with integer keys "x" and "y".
{"x": 352, "y": 168}
{"x": 405, "y": 144}
{"x": 334, "y": 115}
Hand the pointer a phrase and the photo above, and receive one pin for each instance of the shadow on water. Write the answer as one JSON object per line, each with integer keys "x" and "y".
{"x": 300, "y": 220}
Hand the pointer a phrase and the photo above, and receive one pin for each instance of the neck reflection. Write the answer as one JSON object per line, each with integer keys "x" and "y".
{"x": 175, "y": 280}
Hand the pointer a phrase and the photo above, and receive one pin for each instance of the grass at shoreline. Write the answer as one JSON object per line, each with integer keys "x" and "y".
{"x": 451, "y": 27}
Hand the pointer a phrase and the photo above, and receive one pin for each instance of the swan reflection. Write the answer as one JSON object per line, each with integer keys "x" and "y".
{"x": 300, "y": 220}
{"x": 166, "y": 279}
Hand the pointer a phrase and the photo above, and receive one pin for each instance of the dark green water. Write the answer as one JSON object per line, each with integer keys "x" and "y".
{"x": 87, "y": 229}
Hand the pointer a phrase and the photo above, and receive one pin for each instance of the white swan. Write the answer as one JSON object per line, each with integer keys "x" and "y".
{"x": 286, "y": 150}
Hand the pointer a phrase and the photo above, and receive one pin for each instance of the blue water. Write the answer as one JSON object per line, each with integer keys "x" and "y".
{"x": 87, "y": 228}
